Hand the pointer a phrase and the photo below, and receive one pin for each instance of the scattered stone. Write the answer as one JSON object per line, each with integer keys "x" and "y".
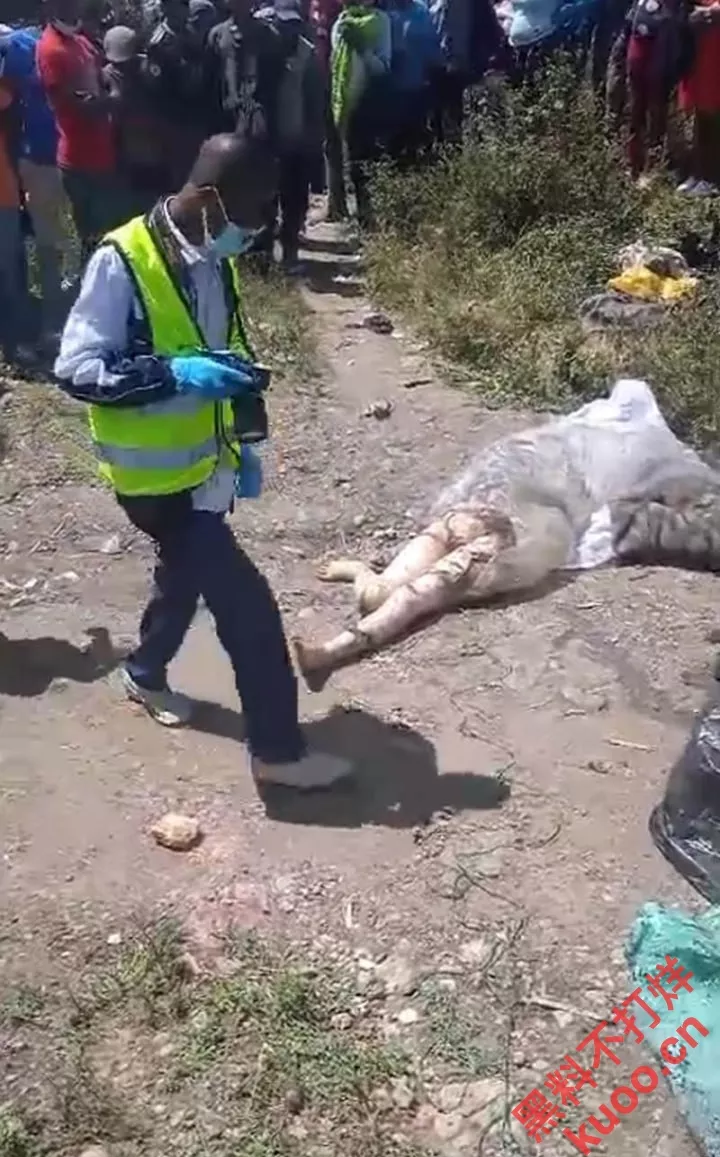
{"x": 341, "y": 1021}
{"x": 177, "y": 832}
{"x": 189, "y": 966}
{"x": 359, "y": 520}
{"x": 382, "y": 1101}
{"x": 599, "y": 766}
{"x": 468, "y": 1097}
{"x": 294, "y": 1101}
{"x": 381, "y": 409}
{"x": 112, "y": 545}
{"x": 378, "y": 323}
{"x": 403, "y": 1094}
{"x": 397, "y": 975}
{"x": 408, "y": 1016}
{"x": 563, "y": 1017}
{"x": 475, "y": 952}
{"x": 114, "y": 939}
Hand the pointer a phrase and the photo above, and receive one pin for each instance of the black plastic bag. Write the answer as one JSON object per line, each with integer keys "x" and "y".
{"x": 686, "y": 825}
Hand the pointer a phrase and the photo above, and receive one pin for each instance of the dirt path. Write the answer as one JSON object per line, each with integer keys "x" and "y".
{"x": 509, "y": 759}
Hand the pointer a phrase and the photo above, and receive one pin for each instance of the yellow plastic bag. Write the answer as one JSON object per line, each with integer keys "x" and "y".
{"x": 639, "y": 281}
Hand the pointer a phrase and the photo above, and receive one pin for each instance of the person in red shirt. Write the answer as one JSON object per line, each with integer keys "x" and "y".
{"x": 70, "y": 68}
{"x": 700, "y": 93}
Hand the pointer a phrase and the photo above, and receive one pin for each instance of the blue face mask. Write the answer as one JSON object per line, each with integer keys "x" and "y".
{"x": 233, "y": 241}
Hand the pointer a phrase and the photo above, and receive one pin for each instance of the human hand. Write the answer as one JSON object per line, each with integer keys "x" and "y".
{"x": 212, "y": 377}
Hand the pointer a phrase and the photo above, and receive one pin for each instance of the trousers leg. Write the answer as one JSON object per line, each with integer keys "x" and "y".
{"x": 174, "y": 599}
{"x": 294, "y": 200}
{"x": 249, "y": 627}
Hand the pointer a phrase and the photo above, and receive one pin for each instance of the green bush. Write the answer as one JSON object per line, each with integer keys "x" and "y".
{"x": 491, "y": 249}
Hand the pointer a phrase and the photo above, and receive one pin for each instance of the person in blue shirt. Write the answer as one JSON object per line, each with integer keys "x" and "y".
{"x": 417, "y": 59}
{"x": 39, "y": 175}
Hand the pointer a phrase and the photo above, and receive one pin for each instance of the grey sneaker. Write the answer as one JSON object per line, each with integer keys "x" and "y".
{"x": 315, "y": 770}
{"x": 166, "y": 707}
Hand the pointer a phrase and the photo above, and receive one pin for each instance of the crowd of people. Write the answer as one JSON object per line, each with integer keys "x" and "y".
{"x": 104, "y": 104}
{"x": 103, "y": 107}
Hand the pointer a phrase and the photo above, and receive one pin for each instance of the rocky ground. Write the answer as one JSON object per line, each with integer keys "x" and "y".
{"x": 464, "y": 904}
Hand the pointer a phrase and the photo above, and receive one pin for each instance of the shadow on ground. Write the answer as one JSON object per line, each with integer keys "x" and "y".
{"x": 29, "y": 666}
{"x": 397, "y": 783}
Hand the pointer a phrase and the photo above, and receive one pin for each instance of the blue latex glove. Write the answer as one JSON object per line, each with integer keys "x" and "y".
{"x": 217, "y": 376}
{"x": 249, "y": 475}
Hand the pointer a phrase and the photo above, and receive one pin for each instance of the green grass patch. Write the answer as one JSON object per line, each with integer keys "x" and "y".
{"x": 491, "y": 250}
{"x": 136, "y": 1051}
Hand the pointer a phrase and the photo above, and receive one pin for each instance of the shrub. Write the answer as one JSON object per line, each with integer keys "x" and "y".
{"x": 492, "y": 249}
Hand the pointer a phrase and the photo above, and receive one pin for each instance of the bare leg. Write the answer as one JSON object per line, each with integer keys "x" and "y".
{"x": 444, "y": 586}
{"x": 421, "y": 553}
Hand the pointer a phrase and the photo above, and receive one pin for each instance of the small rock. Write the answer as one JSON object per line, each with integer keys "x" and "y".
{"x": 189, "y": 966}
{"x": 403, "y": 1094}
{"x": 359, "y": 520}
{"x": 468, "y": 1097}
{"x": 177, "y": 832}
{"x": 397, "y": 976}
{"x": 342, "y": 1021}
{"x": 378, "y": 323}
{"x": 294, "y": 1101}
{"x": 475, "y": 952}
{"x": 408, "y": 1016}
{"x": 599, "y": 766}
{"x": 112, "y": 545}
{"x": 381, "y": 409}
{"x": 95, "y": 1151}
{"x": 114, "y": 939}
{"x": 382, "y": 1101}
{"x": 563, "y": 1018}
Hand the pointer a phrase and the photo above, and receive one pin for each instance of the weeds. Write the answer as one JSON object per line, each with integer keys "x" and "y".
{"x": 139, "y": 1051}
{"x": 492, "y": 250}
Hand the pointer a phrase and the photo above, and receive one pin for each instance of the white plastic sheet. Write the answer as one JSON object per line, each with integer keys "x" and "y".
{"x": 578, "y": 465}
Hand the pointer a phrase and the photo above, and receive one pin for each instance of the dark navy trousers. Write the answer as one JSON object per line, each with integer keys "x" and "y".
{"x": 197, "y": 557}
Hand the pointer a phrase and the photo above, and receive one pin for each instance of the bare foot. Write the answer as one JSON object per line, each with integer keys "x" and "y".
{"x": 342, "y": 570}
{"x": 312, "y": 664}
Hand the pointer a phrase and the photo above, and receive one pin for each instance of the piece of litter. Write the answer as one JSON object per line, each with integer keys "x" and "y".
{"x": 381, "y": 409}
{"x": 114, "y": 939}
{"x": 629, "y": 744}
{"x": 408, "y": 1016}
{"x": 378, "y": 323}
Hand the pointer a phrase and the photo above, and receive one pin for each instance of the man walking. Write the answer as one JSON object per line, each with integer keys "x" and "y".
{"x": 146, "y": 345}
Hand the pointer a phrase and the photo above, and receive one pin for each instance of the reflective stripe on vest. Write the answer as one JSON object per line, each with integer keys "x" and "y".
{"x": 173, "y": 445}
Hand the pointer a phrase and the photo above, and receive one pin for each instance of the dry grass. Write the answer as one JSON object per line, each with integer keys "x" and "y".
{"x": 491, "y": 252}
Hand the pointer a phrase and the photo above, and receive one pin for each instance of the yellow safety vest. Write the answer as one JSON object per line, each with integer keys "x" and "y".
{"x": 173, "y": 445}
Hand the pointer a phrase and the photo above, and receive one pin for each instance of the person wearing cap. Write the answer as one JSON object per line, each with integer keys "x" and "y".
{"x": 139, "y": 135}
{"x": 202, "y": 18}
{"x": 299, "y": 122}
{"x": 156, "y": 346}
